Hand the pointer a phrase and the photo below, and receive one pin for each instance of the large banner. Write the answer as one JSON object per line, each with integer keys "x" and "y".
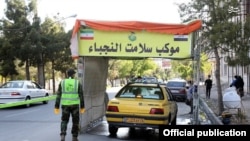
{"x": 133, "y": 44}
{"x": 132, "y": 39}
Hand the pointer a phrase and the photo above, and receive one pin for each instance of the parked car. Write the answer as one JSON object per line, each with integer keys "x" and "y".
{"x": 141, "y": 105}
{"x": 150, "y": 79}
{"x": 21, "y": 90}
{"x": 146, "y": 79}
{"x": 178, "y": 87}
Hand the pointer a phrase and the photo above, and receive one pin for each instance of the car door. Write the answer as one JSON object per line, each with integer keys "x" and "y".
{"x": 39, "y": 90}
{"x": 173, "y": 104}
{"x": 32, "y": 90}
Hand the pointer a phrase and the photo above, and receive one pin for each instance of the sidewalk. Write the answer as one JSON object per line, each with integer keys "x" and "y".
{"x": 212, "y": 103}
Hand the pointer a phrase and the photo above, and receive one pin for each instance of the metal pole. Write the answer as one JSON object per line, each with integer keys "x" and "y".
{"x": 196, "y": 82}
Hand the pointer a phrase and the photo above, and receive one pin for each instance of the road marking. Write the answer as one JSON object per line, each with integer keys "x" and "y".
{"x": 22, "y": 113}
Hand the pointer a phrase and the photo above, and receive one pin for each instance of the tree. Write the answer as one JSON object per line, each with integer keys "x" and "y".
{"x": 130, "y": 68}
{"x": 184, "y": 68}
{"x": 19, "y": 34}
{"x": 240, "y": 46}
{"x": 62, "y": 53}
{"x": 218, "y": 33}
{"x": 27, "y": 41}
{"x": 14, "y": 31}
{"x": 206, "y": 66}
{"x": 56, "y": 48}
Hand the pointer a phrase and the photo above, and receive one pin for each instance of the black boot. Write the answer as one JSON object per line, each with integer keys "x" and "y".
{"x": 74, "y": 139}
{"x": 62, "y": 137}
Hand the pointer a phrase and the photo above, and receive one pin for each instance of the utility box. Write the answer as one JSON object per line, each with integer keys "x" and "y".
{"x": 231, "y": 99}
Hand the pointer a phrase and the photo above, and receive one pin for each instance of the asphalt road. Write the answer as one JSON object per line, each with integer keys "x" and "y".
{"x": 39, "y": 123}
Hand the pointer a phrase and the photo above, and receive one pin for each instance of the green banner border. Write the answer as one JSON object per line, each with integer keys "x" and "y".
{"x": 13, "y": 104}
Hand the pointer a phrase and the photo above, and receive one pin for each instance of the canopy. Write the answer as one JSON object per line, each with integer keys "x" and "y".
{"x": 180, "y": 29}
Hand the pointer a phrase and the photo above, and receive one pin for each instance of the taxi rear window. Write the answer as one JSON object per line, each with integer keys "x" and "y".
{"x": 143, "y": 92}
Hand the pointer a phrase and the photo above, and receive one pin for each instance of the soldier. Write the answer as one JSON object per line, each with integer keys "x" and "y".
{"x": 70, "y": 95}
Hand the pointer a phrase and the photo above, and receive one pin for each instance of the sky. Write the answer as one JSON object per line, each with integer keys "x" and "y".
{"x": 162, "y": 11}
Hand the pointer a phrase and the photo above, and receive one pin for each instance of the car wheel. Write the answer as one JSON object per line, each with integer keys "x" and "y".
{"x": 46, "y": 102}
{"x": 178, "y": 99}
{"x": 28, "y": 104}
{"x": 174, "y": 121}
{"x": 184, "y": 99}
{"x": 113, "y": 130}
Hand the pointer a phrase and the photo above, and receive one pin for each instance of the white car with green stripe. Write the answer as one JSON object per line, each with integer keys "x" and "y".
{"x": 22, "y": 90}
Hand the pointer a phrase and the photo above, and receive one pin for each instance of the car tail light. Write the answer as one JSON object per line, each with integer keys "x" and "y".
{"x": 113, "y": 109}
{"x": 15, "y": 93}
{"x": 156, "y": 111}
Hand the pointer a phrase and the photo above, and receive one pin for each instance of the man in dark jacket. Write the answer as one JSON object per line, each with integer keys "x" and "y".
{"x": 238, "y": 83}
{"x": 70, "y": 96}
{"x": 208, "y": 84}
{"x": 240, "y": 90}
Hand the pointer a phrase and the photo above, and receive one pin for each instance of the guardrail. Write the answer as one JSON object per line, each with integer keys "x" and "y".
{"x": 12, "y": 104}
{"x": 209, "y": 113}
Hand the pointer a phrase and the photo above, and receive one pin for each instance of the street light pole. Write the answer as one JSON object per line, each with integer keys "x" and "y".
{"x": 196, "y": 81}
{"x": 64, "y": 18}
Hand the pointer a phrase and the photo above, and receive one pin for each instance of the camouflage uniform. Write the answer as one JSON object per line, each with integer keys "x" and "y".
{"x": 68, "y": 110}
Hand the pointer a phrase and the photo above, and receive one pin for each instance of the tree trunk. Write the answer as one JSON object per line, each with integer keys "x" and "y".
{"x": 27, "y": 66}
{"x": 53, "y": 77}
{"x": 218, "y": 81}
{"x": 40, "y": 74}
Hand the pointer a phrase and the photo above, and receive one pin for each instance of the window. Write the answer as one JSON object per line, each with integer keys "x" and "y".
{"x": 30, "y": 85}
{"x": 176, "y": 84}
{"x": 144, "y": 92}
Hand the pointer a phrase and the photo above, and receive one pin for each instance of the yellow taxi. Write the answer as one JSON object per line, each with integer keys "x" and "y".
{"x": 141, "y": 105}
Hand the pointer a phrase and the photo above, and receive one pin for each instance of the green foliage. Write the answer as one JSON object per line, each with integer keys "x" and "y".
{"x": 185, "y": 68}
{"x": 32, "y": 42}
{"x": 222, "y": 28}
{"x": 222, "y": 33}
{"x": 241, "y": 46}
{"x": 131, "y": 68}
{"x": 182, "y": 69}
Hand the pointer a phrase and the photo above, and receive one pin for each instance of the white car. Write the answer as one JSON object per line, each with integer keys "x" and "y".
{"x": 21, "y": 90}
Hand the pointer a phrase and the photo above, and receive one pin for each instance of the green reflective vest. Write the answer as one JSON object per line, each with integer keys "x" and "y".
{"x": 70, "y": 92}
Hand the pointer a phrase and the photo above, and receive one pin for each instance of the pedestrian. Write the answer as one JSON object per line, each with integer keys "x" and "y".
{"x": 139, "y": 79}
{"x": 70, "y": 97}
{"x": 238, "y": 83}
{"x": 190, "y": 96}
{"x": 234, "y": 82}
{"x": 240, "y": 90}
{"x": 208, "y": 84}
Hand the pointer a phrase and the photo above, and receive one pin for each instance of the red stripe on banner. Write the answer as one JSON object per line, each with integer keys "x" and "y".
{"x": 86, "y": 38}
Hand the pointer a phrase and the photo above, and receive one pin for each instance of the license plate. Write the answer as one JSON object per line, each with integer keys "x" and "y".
{"x": 174, "y": 91}
{"x": 134, "y": 120}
